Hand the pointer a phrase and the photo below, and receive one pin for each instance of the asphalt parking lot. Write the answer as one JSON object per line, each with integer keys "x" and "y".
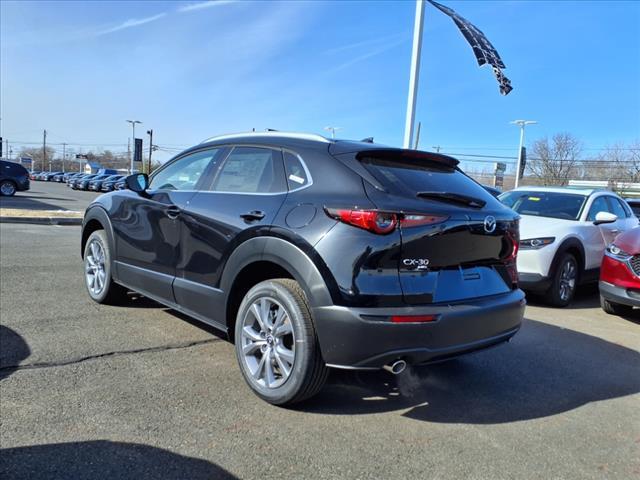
{"x": 139, "y": 391}
{"x": 49, "y": 196}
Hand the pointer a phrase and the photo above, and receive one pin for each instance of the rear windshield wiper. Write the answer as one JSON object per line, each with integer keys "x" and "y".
{"x": 453, "y": 198}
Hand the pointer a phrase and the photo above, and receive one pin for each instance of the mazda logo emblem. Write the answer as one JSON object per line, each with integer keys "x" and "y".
{"x": 489, "y": 224}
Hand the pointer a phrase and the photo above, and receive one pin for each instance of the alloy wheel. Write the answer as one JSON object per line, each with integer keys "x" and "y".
{"x": 567, "y": 280}
{"x": 95, "y": 273}
{"x": 268, "y": 343}
{"x": 7, "y": 189}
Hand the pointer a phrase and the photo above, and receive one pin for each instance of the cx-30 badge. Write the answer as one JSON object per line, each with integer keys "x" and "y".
{"x": 416, "y": 263}
{"x": 489, "y": 224}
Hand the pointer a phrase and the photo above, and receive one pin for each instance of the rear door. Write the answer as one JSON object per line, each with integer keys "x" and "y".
{"x": 239, "y": 201}
{"x": 466, "y": 251}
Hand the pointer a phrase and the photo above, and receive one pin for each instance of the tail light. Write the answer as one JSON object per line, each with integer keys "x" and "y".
{"x": 382, "y": 222}
{"x": 510, "y": 260}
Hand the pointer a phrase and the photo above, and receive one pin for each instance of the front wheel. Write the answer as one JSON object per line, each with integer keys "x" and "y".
{"x": 97, "y": 271}
{"x": 613, "y": 308}
{"x": 276, "y": 343}
{"x": 7, "y": 188}
{"x": 565, "y": 281}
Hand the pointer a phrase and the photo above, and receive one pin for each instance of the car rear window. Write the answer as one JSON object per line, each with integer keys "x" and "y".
{"x": 409, "y": 177}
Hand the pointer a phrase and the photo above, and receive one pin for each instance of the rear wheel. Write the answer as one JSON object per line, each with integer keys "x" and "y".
{"x": 276, "y": 343}
{"x": 615, "y": 308}
{"x": 7, "y": 188}
{"x": 565, "y": 281}
{"x": 97, "y": 271}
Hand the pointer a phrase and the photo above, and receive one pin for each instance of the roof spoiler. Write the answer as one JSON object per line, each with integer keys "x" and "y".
{"x": 406, "y": 154}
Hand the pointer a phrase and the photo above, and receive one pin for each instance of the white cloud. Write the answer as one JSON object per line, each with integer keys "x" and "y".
{"x": 368, "y": 43}
{"x": 130, "y": 23}
{"x": 367, "y": 55}
{"x": 189, "y": 7}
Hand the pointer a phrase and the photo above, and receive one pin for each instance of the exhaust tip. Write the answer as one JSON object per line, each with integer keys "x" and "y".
{"x": 396, "y": 367}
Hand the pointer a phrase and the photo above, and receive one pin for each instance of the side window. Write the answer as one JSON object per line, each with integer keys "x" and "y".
{"x": 599, "y": 205}
{"x": 616, "y": 208}
{"x": 184, "y": 173}
{"x": 251, "y": 170}
{"x": 296, "y": 174}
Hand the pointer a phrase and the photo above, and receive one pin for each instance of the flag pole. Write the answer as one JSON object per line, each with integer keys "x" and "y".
{"x": 414, "y": 75}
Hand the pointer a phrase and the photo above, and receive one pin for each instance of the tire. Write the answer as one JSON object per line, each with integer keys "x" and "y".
{"x": 615, "y": 308}
{"x": 7, "y": 188}
{"x": 97, "y": 268}
{"x": 565, "y": 281}
{"x": 265, "y": 351}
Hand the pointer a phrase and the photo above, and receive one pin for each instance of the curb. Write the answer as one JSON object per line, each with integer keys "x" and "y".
{"x": 43, "y": 220}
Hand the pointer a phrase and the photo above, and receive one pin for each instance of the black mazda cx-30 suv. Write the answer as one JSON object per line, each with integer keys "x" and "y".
{"x": 312, "y": 253}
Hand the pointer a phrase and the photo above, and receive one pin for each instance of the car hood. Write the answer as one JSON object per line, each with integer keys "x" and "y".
{"x": 538, "y": 227}
{"x": 629, "y": 241}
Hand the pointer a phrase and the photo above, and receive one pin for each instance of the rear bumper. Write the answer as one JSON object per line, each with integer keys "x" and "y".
{"x": 365, "y": 338}
{"x": 621, "y": 295}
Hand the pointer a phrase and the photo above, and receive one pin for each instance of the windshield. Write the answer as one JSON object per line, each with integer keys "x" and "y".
{"x": 566, "y": 206}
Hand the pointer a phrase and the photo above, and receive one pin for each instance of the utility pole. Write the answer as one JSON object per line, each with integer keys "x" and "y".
{"x": 436, "y": 148}
{"x": 418, "y": 136}
{"x": 64, "y": 154}
{"x": 414, "y": 75}
{"x": 44, "y": 150}
{"x": 521, "y": 124}
{"x": 150, "y": 133}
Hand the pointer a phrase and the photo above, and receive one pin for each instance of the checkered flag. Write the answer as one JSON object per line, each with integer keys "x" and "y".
{"x": 483, "y": 50}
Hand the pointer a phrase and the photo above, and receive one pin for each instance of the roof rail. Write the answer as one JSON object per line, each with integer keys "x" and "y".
{"x": 301, "y": 136}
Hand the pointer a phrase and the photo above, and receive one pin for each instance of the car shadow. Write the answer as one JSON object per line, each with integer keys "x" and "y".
{"x": 13, "y": 350}
{"x": 544, "y": 371}
{"x": 103, "y": 459}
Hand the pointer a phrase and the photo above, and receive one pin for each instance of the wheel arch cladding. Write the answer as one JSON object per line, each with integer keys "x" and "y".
{"x": 96, "y": 219}
{"x": 574, "y": 247}
{"x": 263, "y": 258}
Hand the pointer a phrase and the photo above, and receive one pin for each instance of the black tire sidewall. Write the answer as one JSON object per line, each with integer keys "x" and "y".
{"x": 5, "y": 182}
{"x": 100, "y": 237}
{"x": 304, "y": 345}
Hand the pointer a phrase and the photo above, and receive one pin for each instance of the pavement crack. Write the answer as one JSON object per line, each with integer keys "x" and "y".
{"x": 118, "y": 353}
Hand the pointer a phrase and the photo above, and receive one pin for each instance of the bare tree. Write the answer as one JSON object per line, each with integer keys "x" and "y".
{"x": 36, "y": 154}
{"x": 621, "y": 162}
{"x": 554, "y": 162}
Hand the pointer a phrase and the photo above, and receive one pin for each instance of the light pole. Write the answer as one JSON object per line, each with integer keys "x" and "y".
{"x": 332, "y": 130}
{"x": 414, "y": 74}
{"x": 521, "y": 124}
{"x": 133, "y": 127}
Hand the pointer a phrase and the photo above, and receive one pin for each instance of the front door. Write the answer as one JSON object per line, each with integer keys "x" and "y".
{"x": 147, "y": 226}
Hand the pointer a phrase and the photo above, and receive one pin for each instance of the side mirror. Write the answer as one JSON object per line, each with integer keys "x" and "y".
{"x": 605, "y": 217}
{"x": 138, "y": 182}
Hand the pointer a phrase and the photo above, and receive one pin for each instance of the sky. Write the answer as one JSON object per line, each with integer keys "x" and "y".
{"x": 193, "y": 70}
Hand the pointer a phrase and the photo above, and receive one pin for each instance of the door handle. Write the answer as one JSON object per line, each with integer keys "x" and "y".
{"x": 253, "y": 215}
{"x": 173, "y": 212}
{"x": 615, "y": 230}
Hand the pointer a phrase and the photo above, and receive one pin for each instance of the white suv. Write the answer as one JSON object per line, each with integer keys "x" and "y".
{"x": 563, "y": 234}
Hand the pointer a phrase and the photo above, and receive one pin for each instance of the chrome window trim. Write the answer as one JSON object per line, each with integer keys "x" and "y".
{"x": 232, "y": 147}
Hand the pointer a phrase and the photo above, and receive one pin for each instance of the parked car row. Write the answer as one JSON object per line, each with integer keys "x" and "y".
{"x": 105, "y": 182}
{"x": 569, "y": 237}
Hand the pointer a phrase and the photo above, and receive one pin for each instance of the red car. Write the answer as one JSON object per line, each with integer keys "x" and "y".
{"x": 620, "y": 274}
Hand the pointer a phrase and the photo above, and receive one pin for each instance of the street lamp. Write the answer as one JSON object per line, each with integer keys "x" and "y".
{"x": 332, "y": 130}
{"x": 133, "y": 127}
{"x": 521, "y": 124}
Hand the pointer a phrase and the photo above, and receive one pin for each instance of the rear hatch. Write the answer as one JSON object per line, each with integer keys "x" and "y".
{"x": 466, "y": 247}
